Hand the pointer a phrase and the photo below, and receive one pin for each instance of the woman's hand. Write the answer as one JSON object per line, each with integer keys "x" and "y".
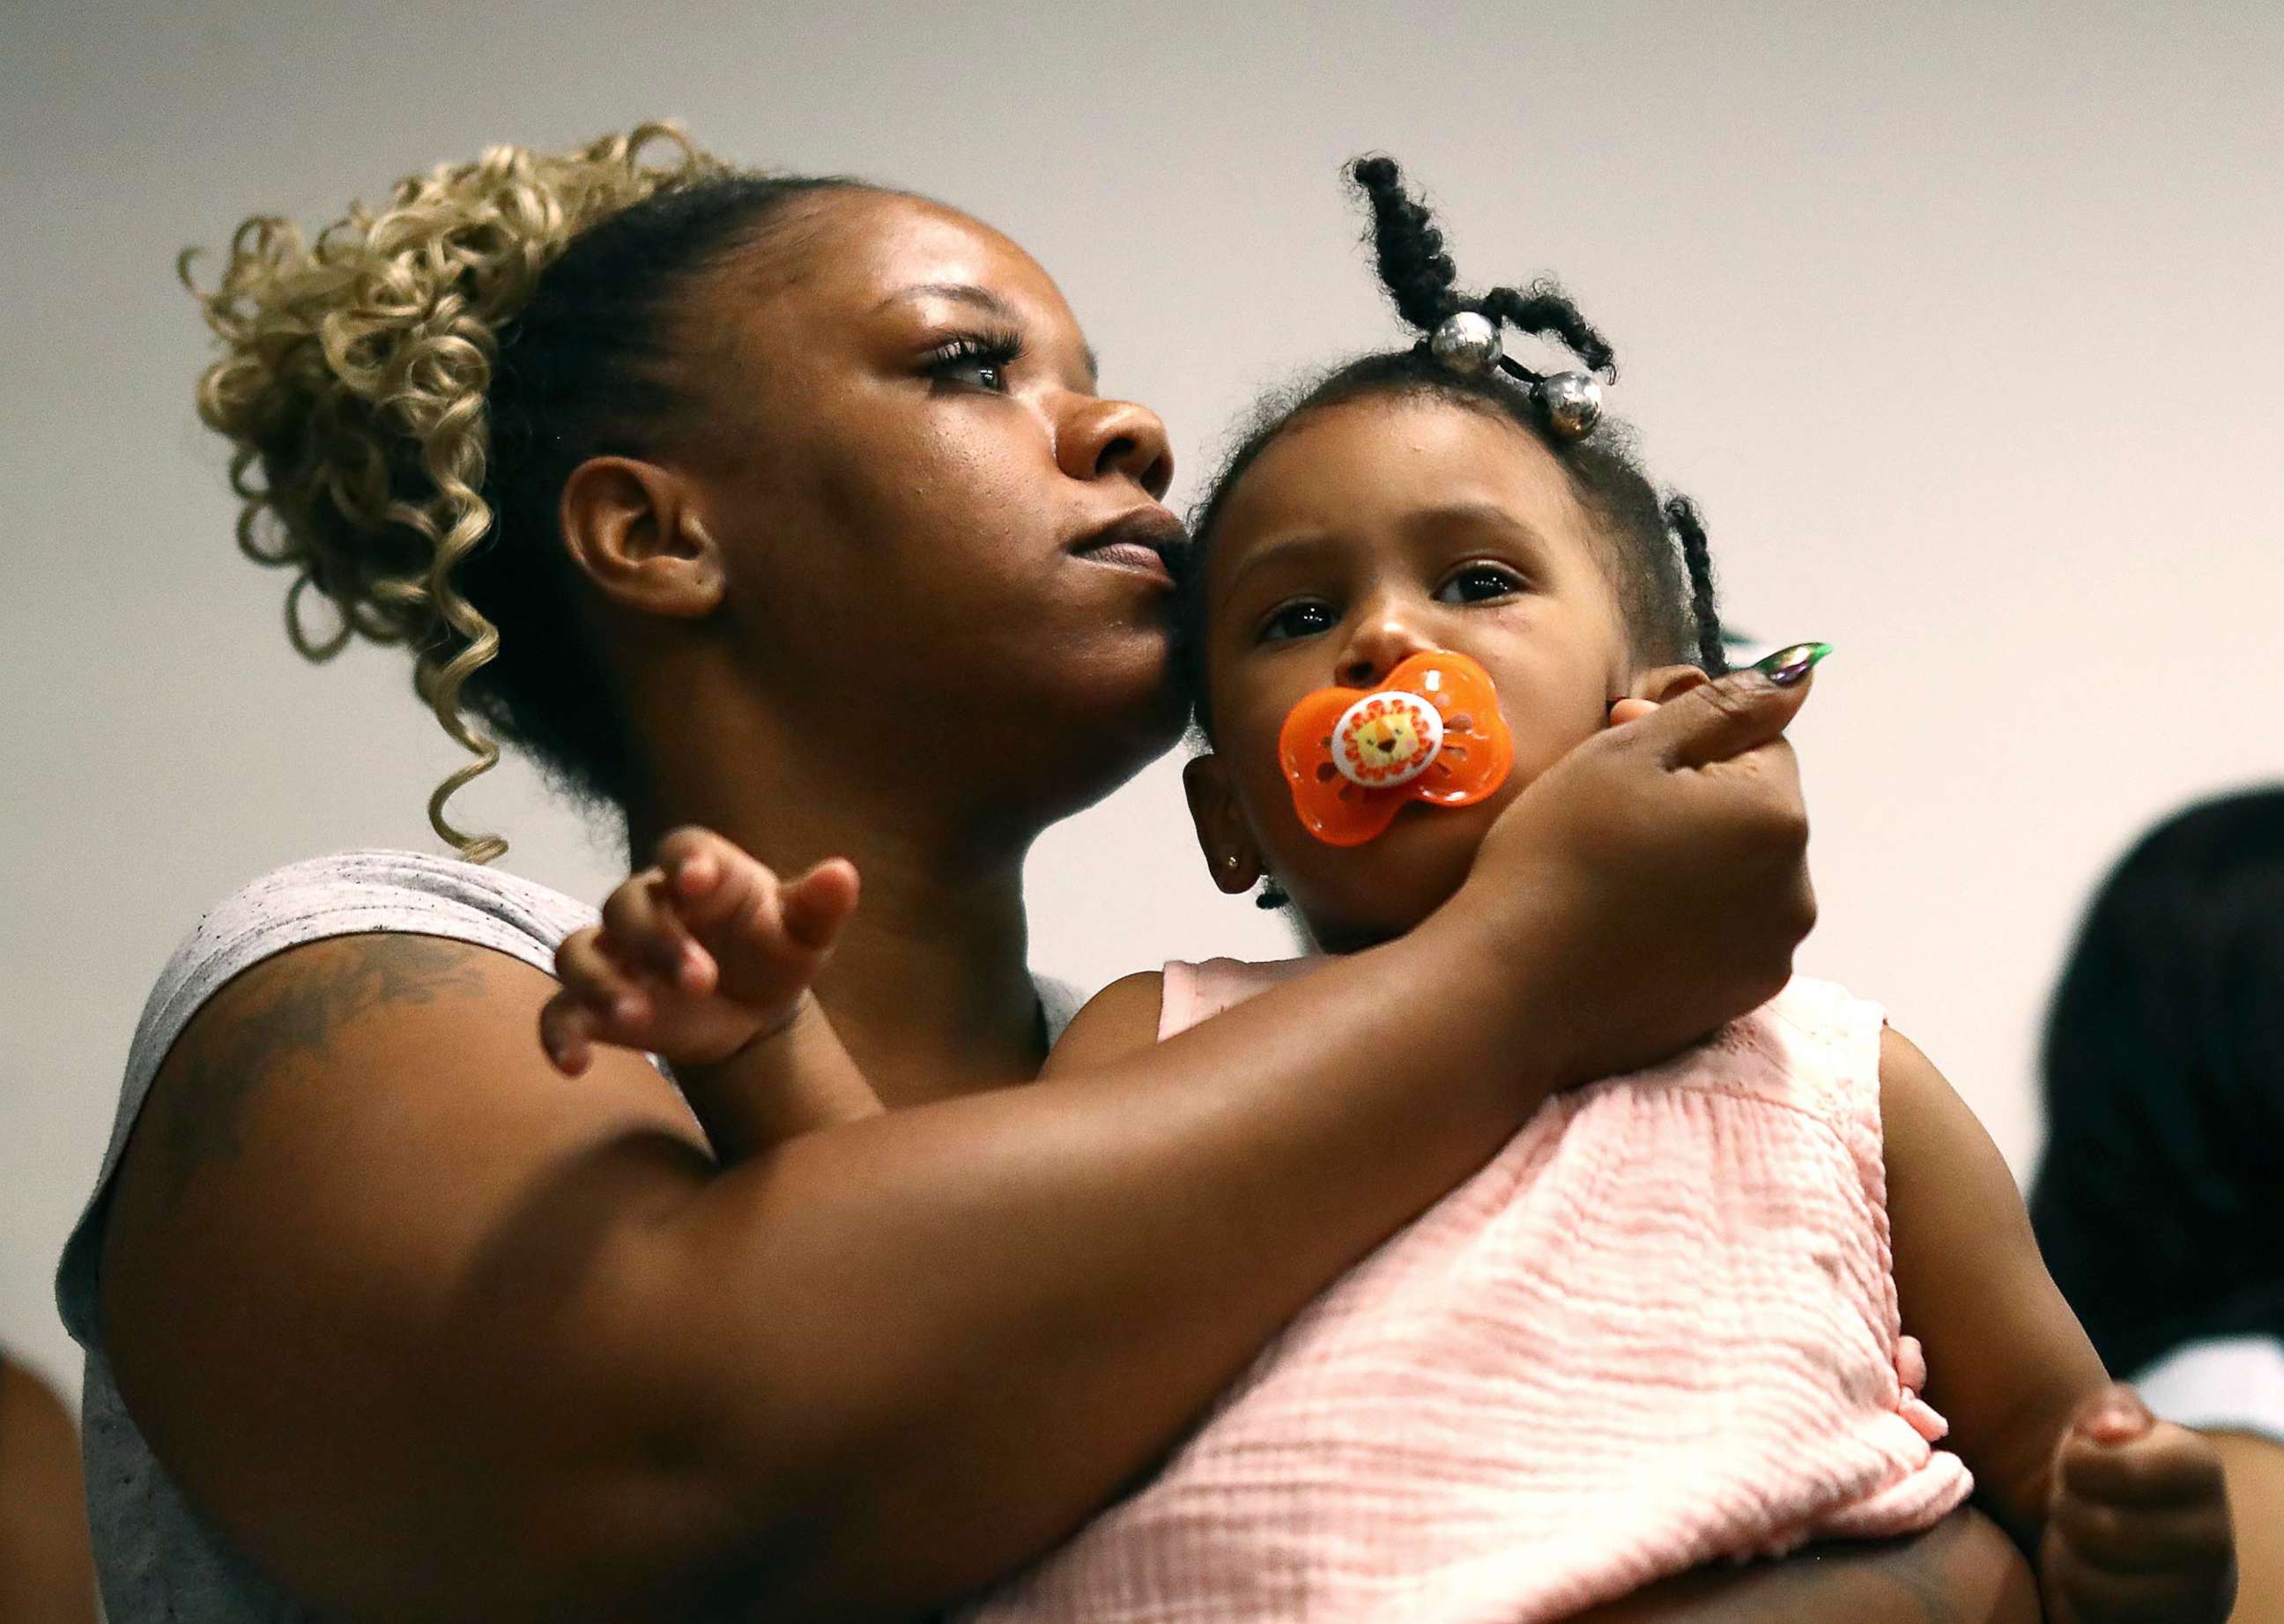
{"x": 1667, "y": 857}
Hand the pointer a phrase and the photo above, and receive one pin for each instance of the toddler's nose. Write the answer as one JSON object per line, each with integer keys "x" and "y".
{"x": 1380, "y": 644}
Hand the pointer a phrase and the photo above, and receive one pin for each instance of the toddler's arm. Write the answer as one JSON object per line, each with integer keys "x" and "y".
{"x": 707, "y": 960}
{"x": 2126, "y": 1516}
{"x": 1118, "y": 1022}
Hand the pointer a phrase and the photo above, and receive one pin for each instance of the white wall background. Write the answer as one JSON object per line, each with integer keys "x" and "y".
{"x": 1964, "y": 323}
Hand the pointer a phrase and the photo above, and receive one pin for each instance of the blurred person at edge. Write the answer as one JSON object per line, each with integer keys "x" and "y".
{"x": 2159, "y": 1203}
{"x": 47, "y": 1574}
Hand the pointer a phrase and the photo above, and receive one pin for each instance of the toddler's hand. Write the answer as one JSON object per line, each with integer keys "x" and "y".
{"x": 2138, "y": 1526}
{"x": 697, "y": 956}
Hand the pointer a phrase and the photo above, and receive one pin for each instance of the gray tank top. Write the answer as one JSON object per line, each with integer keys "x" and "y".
{"x": 157, "y": 1557}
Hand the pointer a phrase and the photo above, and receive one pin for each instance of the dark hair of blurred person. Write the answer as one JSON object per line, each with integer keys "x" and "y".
{"x": 2160, "y": 1200}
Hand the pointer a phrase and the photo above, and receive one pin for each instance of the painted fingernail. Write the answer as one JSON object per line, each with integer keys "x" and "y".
{"x": 1787, "y": 666}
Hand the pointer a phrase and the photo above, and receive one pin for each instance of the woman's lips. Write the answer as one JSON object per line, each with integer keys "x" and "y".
{"x": 1131, "y": 556}
{"x": 1144, "y": 543}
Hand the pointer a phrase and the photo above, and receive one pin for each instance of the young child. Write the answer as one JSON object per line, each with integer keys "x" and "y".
{"x": 1661, "y": 1326}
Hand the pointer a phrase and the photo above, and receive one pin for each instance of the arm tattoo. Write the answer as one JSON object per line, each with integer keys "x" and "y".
{"x": 281, "y": 1028}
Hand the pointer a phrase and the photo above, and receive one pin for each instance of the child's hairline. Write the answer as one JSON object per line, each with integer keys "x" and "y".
{"x": 1280, "y": 411}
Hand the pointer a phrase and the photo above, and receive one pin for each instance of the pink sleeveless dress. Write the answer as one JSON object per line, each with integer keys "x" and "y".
{"x": 1658, "y": 1329}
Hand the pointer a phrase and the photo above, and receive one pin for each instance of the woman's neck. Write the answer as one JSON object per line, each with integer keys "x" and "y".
{"x": 929, "y": 986}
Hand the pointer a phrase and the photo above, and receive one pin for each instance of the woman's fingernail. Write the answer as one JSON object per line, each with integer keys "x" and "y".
{"x": 1787, "y": 666}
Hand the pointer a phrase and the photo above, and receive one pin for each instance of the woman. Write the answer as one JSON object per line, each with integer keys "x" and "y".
{"x": 2160, "y": 1200}
{"x": 786, "y": 507}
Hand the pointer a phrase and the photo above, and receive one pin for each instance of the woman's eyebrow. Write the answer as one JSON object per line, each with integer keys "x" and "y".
{"x": 984, "y": 299}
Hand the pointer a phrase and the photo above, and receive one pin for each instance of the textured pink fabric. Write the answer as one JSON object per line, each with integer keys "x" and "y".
{"x": 1658, "y": 1329}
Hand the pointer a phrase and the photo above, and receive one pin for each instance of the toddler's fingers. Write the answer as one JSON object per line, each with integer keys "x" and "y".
{"x": 619, "y": 1009}
{"x": 2168, "y": 1465}
{"x": 2092, "y": 1592}
{"x": 564, "y": 1023}
{"x": 694, "y": 860}
{"x": 2142, "y": 1538}
{"x": 647, "y": 933}
{"x": 2115, "y": 1415}
{"x": 816, "y": 906}
{"x": 580, "y": 962}
{"x": 741, "y": 892}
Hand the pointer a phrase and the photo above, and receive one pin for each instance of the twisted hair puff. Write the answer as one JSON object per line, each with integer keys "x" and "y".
{"x": 352, "y": 388}
{"x": 1407, "y": 248}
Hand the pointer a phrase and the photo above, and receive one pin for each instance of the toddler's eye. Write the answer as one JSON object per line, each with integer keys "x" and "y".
{"x": 1304, "y": 620}
{"x": 1479, "y": 584}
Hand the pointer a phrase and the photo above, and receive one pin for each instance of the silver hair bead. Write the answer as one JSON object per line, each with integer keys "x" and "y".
{"x": 1572, "y": 403}
{"x": 1466, "y": 341}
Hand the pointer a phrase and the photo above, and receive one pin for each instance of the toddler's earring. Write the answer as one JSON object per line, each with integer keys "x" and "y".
{"x": 1230, "y": 863}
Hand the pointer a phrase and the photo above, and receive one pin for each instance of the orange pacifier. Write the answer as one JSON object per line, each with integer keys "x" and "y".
{"x": 1356, "y": 756}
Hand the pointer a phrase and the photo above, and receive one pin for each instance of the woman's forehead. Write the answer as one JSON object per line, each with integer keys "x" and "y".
{"x": 869, "y": 249}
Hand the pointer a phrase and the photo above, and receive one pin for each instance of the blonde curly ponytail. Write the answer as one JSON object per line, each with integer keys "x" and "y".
{"x": 353, "y": 387}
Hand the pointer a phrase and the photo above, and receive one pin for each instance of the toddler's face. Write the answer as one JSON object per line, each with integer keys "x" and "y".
{"x": 1366, "y": 533}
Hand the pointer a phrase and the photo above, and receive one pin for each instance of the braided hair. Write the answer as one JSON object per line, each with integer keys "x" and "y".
{"x": 405, "y": 392}
{"x": 1655, "y": 550}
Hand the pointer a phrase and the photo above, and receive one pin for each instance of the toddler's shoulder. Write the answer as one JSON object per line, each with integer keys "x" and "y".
{"x": 1815, "y": 1047}
{"x": 1118, "y": 1021}
{"x": 1151, "y": 1005}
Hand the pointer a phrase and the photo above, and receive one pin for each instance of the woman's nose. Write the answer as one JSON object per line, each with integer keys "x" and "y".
{"x": 1101, "y": 438}
{"x": 1381, "y": 642}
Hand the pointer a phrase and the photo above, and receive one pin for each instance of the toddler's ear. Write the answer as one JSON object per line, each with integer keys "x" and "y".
{"x": 1658, "y": 685}
{"x": 1220, "y": 823}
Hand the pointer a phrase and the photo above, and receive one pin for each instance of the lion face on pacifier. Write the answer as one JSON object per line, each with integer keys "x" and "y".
{"x": 1431, "y": 733}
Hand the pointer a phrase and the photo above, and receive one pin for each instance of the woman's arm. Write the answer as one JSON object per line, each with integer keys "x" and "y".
{"x": 519, "y": 1349}
{"x": 1963, "y": 1571}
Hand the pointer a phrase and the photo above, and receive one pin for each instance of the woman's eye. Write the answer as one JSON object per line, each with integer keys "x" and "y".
{"x": 1296, "y": 621}
{"x": 1479, "y": 584}
{"x": 975, "y": 363}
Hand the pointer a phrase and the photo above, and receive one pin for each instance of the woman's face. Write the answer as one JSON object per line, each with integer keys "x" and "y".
{"x": 943, "y": 542}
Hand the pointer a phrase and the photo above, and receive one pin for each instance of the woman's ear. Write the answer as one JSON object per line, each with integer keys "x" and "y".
{"x": 1220, "y": 823}
{"x": 1658, "y": 685}
{"x": 632, "y": 530}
